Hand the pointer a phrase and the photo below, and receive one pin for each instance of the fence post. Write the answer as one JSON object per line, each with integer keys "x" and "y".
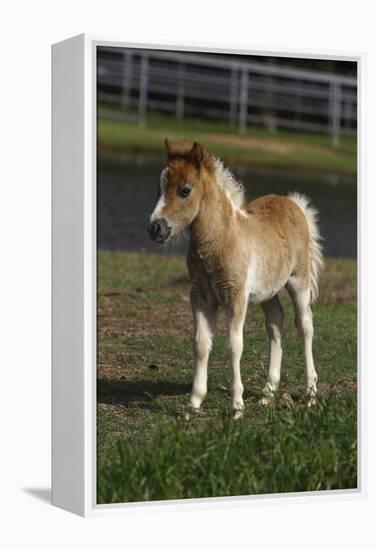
{"x": 180, "y": 93}
{"x": 347, "y": 114}
{"x": 335, "y": 112}
{"x": 127, "y": 79}
{"x": 243, "y": 100}
{"x": 234, "y": 85}
{"x": 269, "y": 113}
{"x": 143, "y": 94}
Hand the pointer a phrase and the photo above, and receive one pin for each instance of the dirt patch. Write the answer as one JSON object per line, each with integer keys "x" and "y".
{"x": 340, "y": 294}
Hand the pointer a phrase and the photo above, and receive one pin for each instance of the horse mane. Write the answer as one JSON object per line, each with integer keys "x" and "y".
{"x": 224, "y": 178}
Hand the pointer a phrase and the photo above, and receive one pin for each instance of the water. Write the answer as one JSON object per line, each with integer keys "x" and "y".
{"x": 127, "y": 192}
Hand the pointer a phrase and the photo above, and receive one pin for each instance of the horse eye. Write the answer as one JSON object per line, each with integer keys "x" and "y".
{"x": 185, "y": 191}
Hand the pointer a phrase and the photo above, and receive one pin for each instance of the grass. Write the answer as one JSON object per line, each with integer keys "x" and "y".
{"x": 285, "y": 452}
{"x": 147, "y": 450}
{"x": 258, "y": 147}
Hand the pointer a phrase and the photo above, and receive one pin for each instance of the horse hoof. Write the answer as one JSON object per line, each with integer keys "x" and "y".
{"x": 266, "y": 400}
{"x": 237, "y": 414}
{"x": 311, "y": 402}
{"x": 287, "y": 400}
{"x": 192, "y": 411}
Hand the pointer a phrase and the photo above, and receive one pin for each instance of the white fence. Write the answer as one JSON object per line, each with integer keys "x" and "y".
{"x": 224, "y": 88}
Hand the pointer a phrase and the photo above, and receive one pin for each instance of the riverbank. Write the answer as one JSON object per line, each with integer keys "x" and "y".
{"x": 257, "y": 148}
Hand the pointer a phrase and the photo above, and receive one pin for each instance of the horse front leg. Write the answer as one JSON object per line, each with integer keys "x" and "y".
{"x": 204, "y": 315}
{"x": 235, "y": 323}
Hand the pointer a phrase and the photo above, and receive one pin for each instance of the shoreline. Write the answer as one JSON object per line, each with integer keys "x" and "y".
{"x": 124, "y": 155}
{"x": 256, "y": 149}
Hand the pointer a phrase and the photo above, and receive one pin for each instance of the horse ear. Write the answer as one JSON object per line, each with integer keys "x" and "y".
{"x": 168, "y": 144}
{"x": 197, "y": 154}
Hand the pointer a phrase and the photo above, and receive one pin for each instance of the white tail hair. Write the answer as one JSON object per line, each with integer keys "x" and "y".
{"x": 316, "y": 259}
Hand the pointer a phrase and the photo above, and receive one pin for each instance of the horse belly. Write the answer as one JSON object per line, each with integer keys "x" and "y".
{"x": 262, "y": 284}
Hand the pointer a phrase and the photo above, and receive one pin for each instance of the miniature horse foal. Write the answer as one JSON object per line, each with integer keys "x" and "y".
{"x": 239, "y": 253}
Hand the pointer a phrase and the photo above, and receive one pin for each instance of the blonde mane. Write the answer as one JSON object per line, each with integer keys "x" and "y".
{"x": 234, "y": 189}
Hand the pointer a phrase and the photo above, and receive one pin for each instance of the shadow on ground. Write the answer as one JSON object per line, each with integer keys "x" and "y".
{"x": 124, "y": 392}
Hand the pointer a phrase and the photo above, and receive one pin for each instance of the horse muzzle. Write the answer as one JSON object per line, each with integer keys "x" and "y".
{"x": 159, "y": 230}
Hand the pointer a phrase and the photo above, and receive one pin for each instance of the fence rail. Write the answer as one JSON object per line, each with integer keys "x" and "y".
{"x": 133, "y": 82}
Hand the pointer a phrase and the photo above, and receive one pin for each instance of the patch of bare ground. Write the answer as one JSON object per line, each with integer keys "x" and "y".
{"x": 122, "y": 316}
{"x": 165, "y": 312}
{"x": 338, "y": 294}
{"x": 346, "y": 385}
{"x": 338, "y": 282}
{"x": 117, "y": 318}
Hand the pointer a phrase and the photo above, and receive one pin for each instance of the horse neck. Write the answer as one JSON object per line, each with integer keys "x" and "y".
{"x": 213, "y": 224}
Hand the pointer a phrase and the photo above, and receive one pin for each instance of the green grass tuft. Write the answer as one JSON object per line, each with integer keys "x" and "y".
{"x": 287, "y": 451}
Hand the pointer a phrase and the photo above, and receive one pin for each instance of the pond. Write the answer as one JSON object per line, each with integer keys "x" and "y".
{"x": 127, "y": 189}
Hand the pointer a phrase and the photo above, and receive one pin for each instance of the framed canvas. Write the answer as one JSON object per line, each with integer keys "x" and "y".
{"x": 254, "y": 159}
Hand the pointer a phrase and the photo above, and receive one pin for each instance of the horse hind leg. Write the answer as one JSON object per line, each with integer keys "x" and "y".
{"x": 301, "y": 297}
{"x": 274, "y": 323}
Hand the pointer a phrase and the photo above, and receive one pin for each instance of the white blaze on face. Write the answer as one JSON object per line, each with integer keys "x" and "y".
{"x": 161, "y": 201}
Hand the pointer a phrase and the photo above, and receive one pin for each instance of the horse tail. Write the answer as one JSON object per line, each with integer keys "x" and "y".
{"x": 316, "y": 259}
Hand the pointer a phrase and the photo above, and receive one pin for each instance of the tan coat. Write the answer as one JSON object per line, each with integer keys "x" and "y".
{"x": 239, "y": 253}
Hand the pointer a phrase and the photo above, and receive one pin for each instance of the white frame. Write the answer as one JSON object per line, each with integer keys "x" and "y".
{"x": 74, "y": 280}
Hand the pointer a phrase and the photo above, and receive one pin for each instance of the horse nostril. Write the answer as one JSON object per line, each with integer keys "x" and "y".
{"x": 159, "y": 230}
{"x": 154, "y": 229}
